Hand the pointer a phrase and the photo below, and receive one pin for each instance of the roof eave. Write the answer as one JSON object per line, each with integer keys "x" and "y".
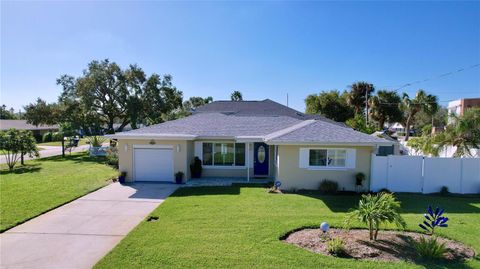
{"x": 151, "y": 136}
{"x": 317, "y": 143}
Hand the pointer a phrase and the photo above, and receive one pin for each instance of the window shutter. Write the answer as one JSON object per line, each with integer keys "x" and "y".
{"x": 303, "y": 158}
{"x": 351, "y": 158}
{"x": 198, "y": 150}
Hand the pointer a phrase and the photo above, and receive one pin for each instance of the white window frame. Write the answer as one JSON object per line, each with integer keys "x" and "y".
{"x": 233, "y": 166}
{"x": 350, "y": 159}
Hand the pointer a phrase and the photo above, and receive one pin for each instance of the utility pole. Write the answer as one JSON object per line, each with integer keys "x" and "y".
{"x": 366, "y": 106}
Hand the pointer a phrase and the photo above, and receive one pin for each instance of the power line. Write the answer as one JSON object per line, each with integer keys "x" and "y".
{"x": 435, "y": 77}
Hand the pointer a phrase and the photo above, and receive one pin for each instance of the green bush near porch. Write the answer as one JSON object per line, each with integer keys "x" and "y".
{"x": 240, "y": 227}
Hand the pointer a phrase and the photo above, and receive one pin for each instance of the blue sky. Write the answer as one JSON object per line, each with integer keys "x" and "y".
{"x": 263, "y": 49}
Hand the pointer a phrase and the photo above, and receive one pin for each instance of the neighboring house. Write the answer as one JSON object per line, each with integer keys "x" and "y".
{"x": 37, "y": 131}
{"x": 458, "y": 107}
{"x": 394, "y": 149}
{"x": 249, "y": 139}
{"x": 397, "y": 127}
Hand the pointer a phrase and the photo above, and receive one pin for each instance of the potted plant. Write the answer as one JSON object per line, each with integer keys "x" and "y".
{"x": 179, "y": 177}
{"x": 122, "y": 177}
{"x": 359, "y": 178}
{"x": 196, "y": 168}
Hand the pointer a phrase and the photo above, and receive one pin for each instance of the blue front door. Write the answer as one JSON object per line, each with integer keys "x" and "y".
{"x": 260, "y": 159}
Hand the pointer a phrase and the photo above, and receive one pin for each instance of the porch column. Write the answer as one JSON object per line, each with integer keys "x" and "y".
{"x": 247, "y": 151}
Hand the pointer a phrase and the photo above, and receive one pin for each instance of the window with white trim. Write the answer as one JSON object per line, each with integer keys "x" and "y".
{"x": 223, "y": 154}
{"x": 327, "y": 157}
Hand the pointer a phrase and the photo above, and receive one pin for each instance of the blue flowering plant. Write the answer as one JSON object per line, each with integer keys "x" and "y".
{"x": 433, "y": 219}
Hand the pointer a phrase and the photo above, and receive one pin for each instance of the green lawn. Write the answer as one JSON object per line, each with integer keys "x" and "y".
{"x": 46, "y": 183}
{"x": 233, "y": 227}
{"x": 83, "y": 141}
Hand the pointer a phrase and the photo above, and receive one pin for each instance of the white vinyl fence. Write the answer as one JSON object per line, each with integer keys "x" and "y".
{"x": 424, "y": 174}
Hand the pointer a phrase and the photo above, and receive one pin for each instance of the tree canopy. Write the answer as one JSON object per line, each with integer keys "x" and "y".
{"x": 106, "y": 94}
{"x": 331, "y": 104}
{"x": 14, "y": 144}
{"x": 358, "y": 95}
{"x": 422, "y": 102}
{"x": 236, "y": 96}
{"x": 385, "y": 107}
{"x": 7, "y": 114}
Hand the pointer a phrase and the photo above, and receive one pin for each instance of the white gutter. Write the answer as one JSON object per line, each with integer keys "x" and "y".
{"x": 148, "y": 136}
{"x": 296, "y": 143}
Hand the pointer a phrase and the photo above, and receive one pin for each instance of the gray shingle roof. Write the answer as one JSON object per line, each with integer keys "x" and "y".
{"x": 218, "y": 124}
{"x": 325, "y": 132}
{"x": 267, "y": 120}
{"x": 23, "y": 125}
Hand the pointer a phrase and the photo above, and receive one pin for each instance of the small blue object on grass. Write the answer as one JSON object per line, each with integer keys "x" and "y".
{"x": 277, "y": 184}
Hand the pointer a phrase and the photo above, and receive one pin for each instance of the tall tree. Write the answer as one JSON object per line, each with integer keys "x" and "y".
{"x": 41, "y": 112}
{"x": 385, "y": 107}
{"x": 331, "y": 104}
{"x": 7, "y": 114}
{"x": 106, "y": 94}
{"x": 196, "y": 101}
{"x": 463, "y": 133}
{"x": 439, "y": 119}
{"x": 358, "y": 95}
{"x": 422, "y": 102}
{"x": 236, "y": 96}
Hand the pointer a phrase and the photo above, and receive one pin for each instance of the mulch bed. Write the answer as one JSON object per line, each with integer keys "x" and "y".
{"x": 390, "y": 245}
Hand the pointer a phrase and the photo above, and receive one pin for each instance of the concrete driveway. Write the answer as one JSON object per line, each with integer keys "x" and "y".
{"x": 79, "y": 234}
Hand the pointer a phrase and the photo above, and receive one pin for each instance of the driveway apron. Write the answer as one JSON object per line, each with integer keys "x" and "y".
{"x": 80, "y": 233}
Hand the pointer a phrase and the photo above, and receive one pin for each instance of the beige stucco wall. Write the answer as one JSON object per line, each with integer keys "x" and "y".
{"x": 294, "y": 177}
{"x": 125, "y": 157}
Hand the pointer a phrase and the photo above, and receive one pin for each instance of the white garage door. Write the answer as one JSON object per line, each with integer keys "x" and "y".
{"x": 153, "y": 164}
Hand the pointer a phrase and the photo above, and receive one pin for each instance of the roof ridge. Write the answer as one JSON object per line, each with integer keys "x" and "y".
{"x": 288, "y": 130}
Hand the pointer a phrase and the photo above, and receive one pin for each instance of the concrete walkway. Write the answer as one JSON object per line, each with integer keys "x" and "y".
{"x": 49, "y": 151}
{"x": 79, "y": 234}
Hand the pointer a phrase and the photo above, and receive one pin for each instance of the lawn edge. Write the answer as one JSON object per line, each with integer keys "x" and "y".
{"x": 109, "y": 181}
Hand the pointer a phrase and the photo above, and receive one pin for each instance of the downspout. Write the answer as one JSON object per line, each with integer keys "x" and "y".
{"x": 248, "y": 162}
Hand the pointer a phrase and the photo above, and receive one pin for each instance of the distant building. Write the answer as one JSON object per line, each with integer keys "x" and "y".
{"x": 37, "y": 131}
{"x": 458, "y": 107}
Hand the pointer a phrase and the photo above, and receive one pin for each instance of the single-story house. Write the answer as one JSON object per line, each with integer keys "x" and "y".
{"x": 248, "y": 140}
{"x": 37, "y": 131}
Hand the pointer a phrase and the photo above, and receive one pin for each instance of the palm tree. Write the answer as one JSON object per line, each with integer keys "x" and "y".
{"x": 385, "y": 106}
{"x": 422, "y": 102}
{"x": 375, "y": 210}
{"x": 357, "y": 95}
{"x": 463, "y": 133}
{"x": 236, "y": 96}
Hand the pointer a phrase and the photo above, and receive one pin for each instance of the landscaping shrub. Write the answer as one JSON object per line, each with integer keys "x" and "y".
{"x": 374, "y": 210}
{"x": 57, "y": 136}
{"x": 47, "y": 137}
{"x": 328, "y": 186}
{"x": 96, "y": 141}
{"x": 336, "y": 247}
{"x": 430, "y": 248}
{"x": 444, "y": 190}
{"x": 359, "y": 178}
{"x": 112, "y": 156}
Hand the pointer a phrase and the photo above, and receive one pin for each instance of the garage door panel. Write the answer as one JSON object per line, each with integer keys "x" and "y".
{"x": 153, "y": 164}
